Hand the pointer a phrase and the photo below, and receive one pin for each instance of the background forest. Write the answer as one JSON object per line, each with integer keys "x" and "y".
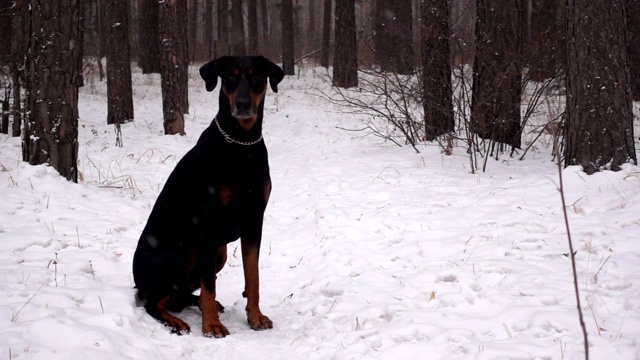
{"x": 450, "y": 245}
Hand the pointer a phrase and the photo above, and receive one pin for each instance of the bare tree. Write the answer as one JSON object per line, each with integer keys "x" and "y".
{"x": 633, "y": 13}
{"x": 393, "y": 36}
{"x": 119, "y": 89}
{"x": 287, "y": 37}
{"x": 599, "y": 116}
{"x": 264, "y": 23}
{"x": 326, "y": 34}
{"x": 149, "y": 37}
{"x": 436, "y": 69}
{"x": 51, "y": 134}
{"x": 545, "y": 45}
{"x": 208, "y": 33}
{"x": 192, "y": 33}
{"x": 237, "y": 29}
{"x": 173, "y": 51}
{"x": 252, "y": 7}
{"x": 17, "y": 66}
{"x": 222, "y": 47}
{"x": 345, "y": 60}
{"x": 497, "y": 71}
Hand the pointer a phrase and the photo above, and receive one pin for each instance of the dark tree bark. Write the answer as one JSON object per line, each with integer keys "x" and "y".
{"x": 149, "y": 56}
{"x": 311, "y": 38}
{"x": 497, "y": 69}
{"x": 17, "y": 66}
{"x": 252, "y": 7}
{"x": 119, "y": 89}
{"x": 326, "y": 34}
{"x": 171, "y": 62}
{"x": 345, "y": 62}
{"x": 633, "y": 14}
{"x": 436, "y": 69}
{"x": 264, "y": 22}
{"x": 599, "y": 116}
{"x": 5, "y": 30}
{"x": 193, "y": 29}
{"x": 462, "y": 22}
{"x": 287, "y": 37}
{"x": 237, "y": 29}
{"x": 51, "y": 134}
{"x": 545, "y": 46}
{"x": 5, "y": 59}
{"x": 102, "y": 37}
{"x": 208, "y": 33}
{"x": 183, "y": 53}
{"x": 393, "y": 36}
{"x": 223, "y": 28}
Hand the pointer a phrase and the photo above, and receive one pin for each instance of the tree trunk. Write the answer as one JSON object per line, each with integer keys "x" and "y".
{"x": 149, "y": 56}
{"x": 51, "y": 134}
{"x": 252, "y": 7}
{"x": 119, "y": 89}
{"x": 462, "y": 22}
{"x": 6, "y": 30}
{"x": 497, "y": 69}
{"x": 326, "y": 34}
{"x": 170, "y": 63}
{"x": 599, "y": 116}
{"x": 193, "y": 30}
{"x": 287, "y": 38}
{"x": 237, "y": 29}
{"x": 545, "y": 47}
{"x": 101, "y": 35}
{"x": 17, "y": 66}
{"x": 183, "y": 53}
{"x": 345, "y": 61}
{"x": 633, "y": 14}
{"x": 311, "y": 38}
{"x": 208, "y": 33}
{"x": 436, "y": 69}
{"x": 264, "y": 22}
{"x": 393, "y": 36}
{"x": 223, "y": 27}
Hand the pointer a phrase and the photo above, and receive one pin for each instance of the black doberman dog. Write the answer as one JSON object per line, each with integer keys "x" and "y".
{"x": 217, "y": 193}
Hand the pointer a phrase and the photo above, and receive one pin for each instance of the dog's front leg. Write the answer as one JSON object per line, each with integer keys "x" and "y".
{"x": 211, "y": 325}
{"x": 250, "y": 254}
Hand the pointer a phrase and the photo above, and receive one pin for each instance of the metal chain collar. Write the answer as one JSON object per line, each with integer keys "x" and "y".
{"x": 234, "y": 141}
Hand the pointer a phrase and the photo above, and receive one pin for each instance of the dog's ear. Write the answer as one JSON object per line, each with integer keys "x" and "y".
{"x": 275, "y": 72}
{"x": 211, "y": 70}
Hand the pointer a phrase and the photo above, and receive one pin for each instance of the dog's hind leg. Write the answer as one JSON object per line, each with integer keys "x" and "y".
{"x": 194, "y": 300}
{"x": 159, "y": 312}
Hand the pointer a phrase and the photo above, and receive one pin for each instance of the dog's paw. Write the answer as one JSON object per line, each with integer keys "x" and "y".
{"x": 220, "y": 307}
{"x": 178, "y": 327}
{"x": 214, "y": 330}
{"x": 259, "y": 322}
{"x": 180, "y": 332}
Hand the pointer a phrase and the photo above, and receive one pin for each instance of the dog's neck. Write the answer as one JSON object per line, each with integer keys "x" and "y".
{"x": 232, "y": 130}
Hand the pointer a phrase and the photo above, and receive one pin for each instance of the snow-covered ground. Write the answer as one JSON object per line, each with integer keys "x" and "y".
{"x": 370, "y": 251}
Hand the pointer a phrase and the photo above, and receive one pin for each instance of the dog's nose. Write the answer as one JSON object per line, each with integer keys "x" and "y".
{"x": 243, "y": 104}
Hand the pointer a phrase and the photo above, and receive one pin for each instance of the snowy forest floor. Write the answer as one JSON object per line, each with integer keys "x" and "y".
{"x": 370, "y": 251}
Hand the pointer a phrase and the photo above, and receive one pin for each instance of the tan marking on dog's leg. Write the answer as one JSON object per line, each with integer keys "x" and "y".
{"x": 255, "y": 318}
{"x": 177, "y": 325}
{"x": 211, "y": 325}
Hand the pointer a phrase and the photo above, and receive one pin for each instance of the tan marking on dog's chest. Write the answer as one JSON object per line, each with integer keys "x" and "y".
{"x": 225, "y": 194}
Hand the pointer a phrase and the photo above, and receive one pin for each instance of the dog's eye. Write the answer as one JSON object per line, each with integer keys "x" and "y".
{"x": 232, "y": 78}
{"x": 257, "y": 78}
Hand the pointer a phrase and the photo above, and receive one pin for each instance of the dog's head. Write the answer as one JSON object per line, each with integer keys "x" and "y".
{"x": 244, "y": 83}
